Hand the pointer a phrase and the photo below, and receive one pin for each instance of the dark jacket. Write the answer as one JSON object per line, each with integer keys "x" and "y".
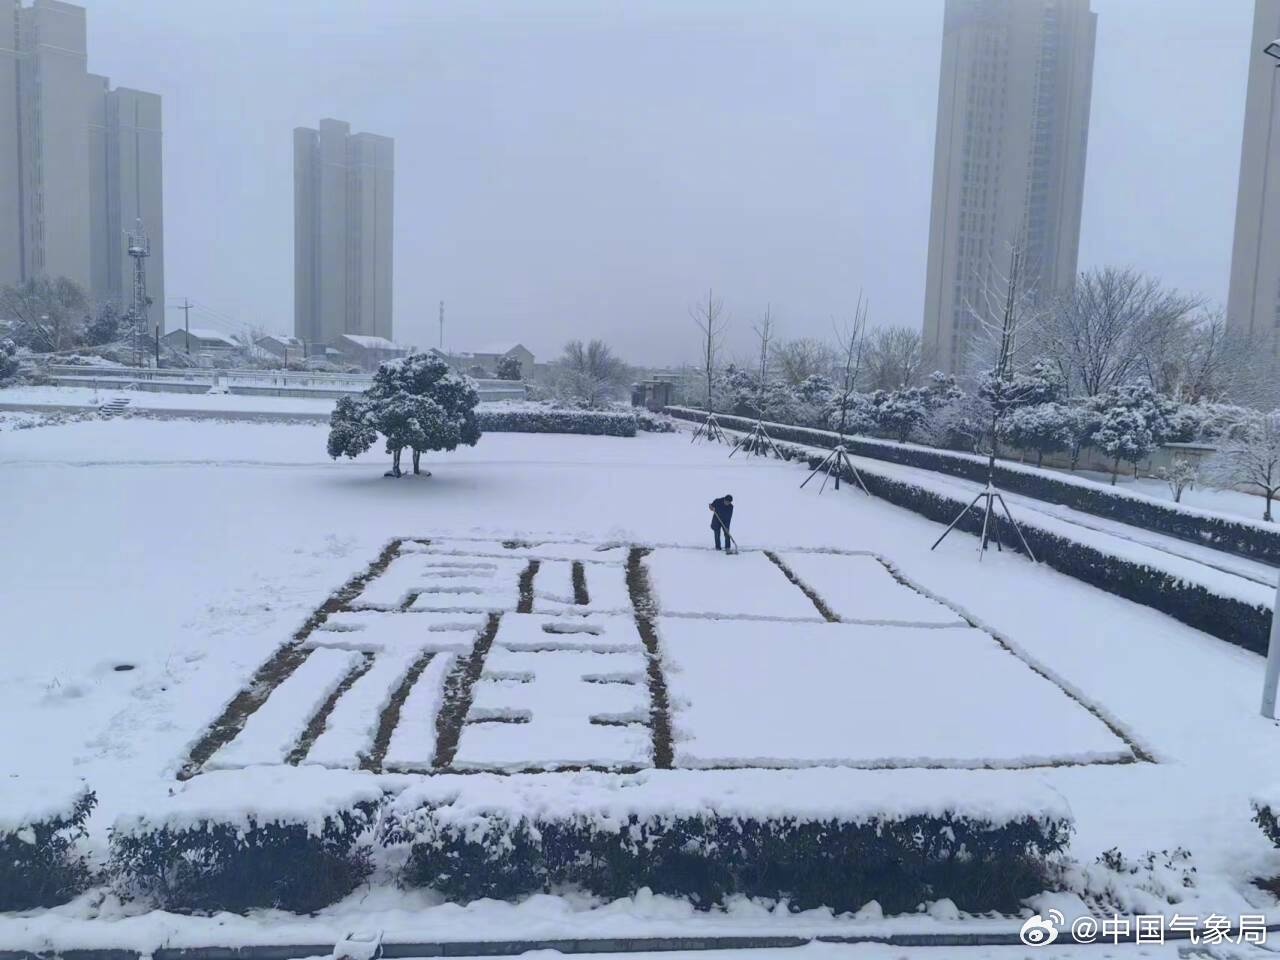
{"x": 721, "y": 510}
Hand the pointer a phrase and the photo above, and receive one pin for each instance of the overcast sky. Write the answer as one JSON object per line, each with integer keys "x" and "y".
{"x": 572, "y": 169}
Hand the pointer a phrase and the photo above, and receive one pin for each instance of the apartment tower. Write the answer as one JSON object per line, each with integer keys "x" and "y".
{"x": 80, "y": 163}
{"x": 1253, "y": 297}
{"x": 1009, "y": 159}
{"x": 342, "y": 218}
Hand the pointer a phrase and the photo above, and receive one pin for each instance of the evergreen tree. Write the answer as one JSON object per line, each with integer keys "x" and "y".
{"x": 509, "y": 368}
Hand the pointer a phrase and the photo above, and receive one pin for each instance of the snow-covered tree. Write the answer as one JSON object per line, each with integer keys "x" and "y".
{"x": 1042, "y": 428}
{"x": 1182, "y": 473}
{"x": 894, "y": 358}
{"x": 812, "y": 397}
{"x": 1125, "y": 434}
{"x": 1083, "y": 420}
{"x": 797, "y": 360}
{"x": 414, "y": 402}
{"x": 47, "y": 313}
{"x": 1250, "y": 458}
{"x": 899, "y": 413}
{"x": 961, "y": 423}
{"x": 8, "y": 360}
{"x": 510, "y": 368}
{"x": 711, "y": 325}
{"x": 105, "y": 325}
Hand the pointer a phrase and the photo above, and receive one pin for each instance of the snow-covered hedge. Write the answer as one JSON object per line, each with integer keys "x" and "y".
{"x": 782, "y": 838}
{"x": 235, "y": 840}
{"x": 549, "y": 420}
{"x": 1233, "y": 619}
{"x": 1266, "y": 814}
{"x": 40, "y": 862}
{"x": 1245, "y": 538}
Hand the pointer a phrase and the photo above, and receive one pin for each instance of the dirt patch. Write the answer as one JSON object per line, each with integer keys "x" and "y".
{"x": 807, "y": 590}
{"x": 580, "y": 595}
{"x": 659, "y": 702}
{"x": 518, "y": 544}
{"x": 315, "y": 726}
{"x": 525, "y": 604}
{"x": 457, "y": 693}
{"x": 280, "y": 665}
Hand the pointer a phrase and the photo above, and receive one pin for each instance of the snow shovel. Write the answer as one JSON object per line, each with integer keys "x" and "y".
{"x": 730, "y": 544}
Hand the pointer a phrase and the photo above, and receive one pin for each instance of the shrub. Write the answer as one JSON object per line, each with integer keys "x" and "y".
{"x": 40, "y": 863}
{"x": 1266, "y": 814}
{"x": 647, "y": 422}
{"x": 8, "y": 360}
{"x": 206, "y": 851}
{"x": 478, "y": 847}
{"x": 549, "y": 420}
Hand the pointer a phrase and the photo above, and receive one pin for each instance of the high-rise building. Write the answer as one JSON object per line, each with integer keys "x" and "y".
{"x": 1253, "y": 298}
{"x": 342, "y": 218}
{"x": 125, "y": 190}
{"x": 1009, "y": 159}
{"x": 79, "y": 163}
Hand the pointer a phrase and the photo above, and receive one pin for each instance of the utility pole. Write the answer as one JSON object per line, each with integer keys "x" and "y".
{"x": 185, "y": 307}
{"x": 442, "y": 326}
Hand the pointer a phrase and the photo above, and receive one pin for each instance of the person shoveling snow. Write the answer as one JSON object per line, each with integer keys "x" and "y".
{"x": 721, "y": 517}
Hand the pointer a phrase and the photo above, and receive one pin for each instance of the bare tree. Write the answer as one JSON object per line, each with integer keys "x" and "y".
{"x": 853, "y": 341}
{"x": 893, "y": 358}
{"x": 48, "y": 313}
{"x": 590, "y": 374}
{"x": 804, "y": 357}
{"x": 1099, "y": 334}
{"x": 711, "y": 323}
{"x": 1250, "y": 457}
{"x": 764, "y": 334}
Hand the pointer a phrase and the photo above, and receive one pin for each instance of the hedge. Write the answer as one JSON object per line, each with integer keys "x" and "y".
{"x": 287, "y": 840}
{"x": 41, "y": 864}
{"x": 1254, "y": 540}
{"x": 1227, "y": 618}
{"x": 479, "y": 846}
{"x": 593, "y": 422}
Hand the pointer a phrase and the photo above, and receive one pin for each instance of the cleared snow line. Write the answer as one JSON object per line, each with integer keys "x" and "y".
{"x": 1141, "y": 753}
{"x": 279, "y": 667}
{"x": 525, "y": 604}
{"x": 580, "y": 595}
{"x": 804, "y": 588}
{"x": 458, "y": 686}
{"x": 659, "y": 701}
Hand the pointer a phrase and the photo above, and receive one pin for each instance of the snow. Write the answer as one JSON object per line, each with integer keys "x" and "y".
{"x": 436, "y": 585}
{"x": 303, "y": 795}
{"x": 843, "y": 694}
{"x": 374, "y": 630}
{"x": 274, "y": 729}
{"x": 370, "y": 342}
{"x": 558, "y": 700}
{"x": 860, "y": 589}
{"x": 701, "y": 583}
{"x": 413, "y": 743}
{"x": 603, "y": 634}
{"x": 34, "y": 799}
{"x": 126, "y": 571}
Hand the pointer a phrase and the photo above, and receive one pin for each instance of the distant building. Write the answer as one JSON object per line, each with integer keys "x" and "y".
{"x": 487, "y": 357}
{"x": 79, "y": 162}
{"x": 1253, "y": 297}
{"x": 200, "y": 343}
{"x": 1009, "y": 158}
{"x": 342, "y": 237}
{"x": 284, "y": 349}
{"x": 367, "y": 352}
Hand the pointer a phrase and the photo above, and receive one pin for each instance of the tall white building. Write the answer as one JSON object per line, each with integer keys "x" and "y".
{"x": 79, "y": 162}
{"x": 342, "y": 230}
{"x": 1009, "y": 158}
{"x": 1253, "y": 298}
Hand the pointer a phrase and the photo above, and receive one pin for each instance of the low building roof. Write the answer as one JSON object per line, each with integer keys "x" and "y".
{"x": 205, "y": 334}
{"x": 371, "y": 343}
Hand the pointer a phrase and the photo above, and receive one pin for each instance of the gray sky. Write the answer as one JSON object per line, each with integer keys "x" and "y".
{"x": 572, "y": 169}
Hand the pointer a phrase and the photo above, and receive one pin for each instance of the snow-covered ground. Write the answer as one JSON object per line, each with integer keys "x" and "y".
{"x": 154, "y": 565}
{"x": 89, "y": 398}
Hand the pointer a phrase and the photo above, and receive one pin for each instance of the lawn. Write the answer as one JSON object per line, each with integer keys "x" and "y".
{"x": 155, "y": 566}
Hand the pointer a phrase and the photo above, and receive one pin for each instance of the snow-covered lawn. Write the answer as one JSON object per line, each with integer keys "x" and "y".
{"x": 153, "y": 566}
